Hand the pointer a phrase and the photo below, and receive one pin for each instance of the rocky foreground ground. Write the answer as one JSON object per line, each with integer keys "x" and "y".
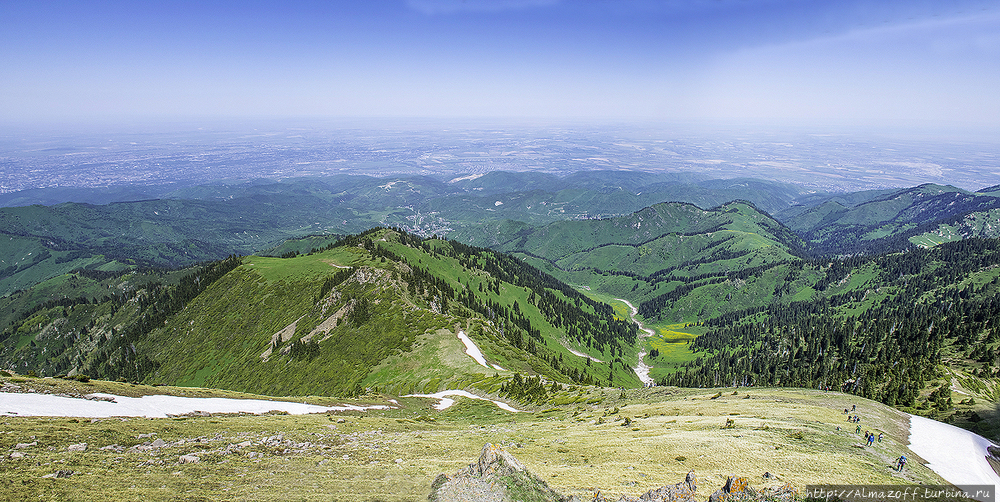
{"x": 499, "y": 477}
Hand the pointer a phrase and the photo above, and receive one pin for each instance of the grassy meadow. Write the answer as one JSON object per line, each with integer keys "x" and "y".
{"x": 596, "y": 439}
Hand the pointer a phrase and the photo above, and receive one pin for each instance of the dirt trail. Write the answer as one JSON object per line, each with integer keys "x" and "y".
{"x": 641, "y": 368}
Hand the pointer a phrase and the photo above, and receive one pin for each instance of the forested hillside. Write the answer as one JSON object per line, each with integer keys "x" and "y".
{"x": 896, "y": 328}
{"x": 666, "y": 253}
{"x": 885, "y": 223}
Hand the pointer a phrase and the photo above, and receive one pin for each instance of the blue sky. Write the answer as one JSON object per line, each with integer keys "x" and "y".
{"x": 862, "y": 62}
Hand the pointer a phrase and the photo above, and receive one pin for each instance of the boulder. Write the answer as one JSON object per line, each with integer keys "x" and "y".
{"x": 77, "y": 447}
{"x": 188, "y": 459}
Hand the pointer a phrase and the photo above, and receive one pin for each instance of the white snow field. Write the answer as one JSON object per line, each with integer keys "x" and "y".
{"x": 955, "y": 454}
{"x": 472, "y": 349}
{"x": 45, "y": 405}
{"x": 445, "y": 402}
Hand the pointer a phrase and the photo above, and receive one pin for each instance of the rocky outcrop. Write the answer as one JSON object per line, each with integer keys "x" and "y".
{"x": 681, "y": 492}
{"x": 25, "y": 389}
{"x": 499, "y": 477}
{"x": 496, "y": 477}
{"x": 738, "y": 489}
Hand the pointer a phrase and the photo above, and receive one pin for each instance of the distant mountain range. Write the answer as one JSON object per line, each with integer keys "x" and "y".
{"x": 193, "y": 224}
{"x": 741, "y": 281}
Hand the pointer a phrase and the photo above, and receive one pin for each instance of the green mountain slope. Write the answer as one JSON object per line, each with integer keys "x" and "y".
{"x": 886, "y": 223}
{"x": 983, "y": 224}
{"x": 382, "y": 309}
{"x": 26, "y": 261}
{"x": 652, "y": 256}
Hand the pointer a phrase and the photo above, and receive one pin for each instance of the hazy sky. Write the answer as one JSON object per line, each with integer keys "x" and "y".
{"x": 857, "y": 62}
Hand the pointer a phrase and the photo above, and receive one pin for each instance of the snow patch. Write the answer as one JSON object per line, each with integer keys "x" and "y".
{"x": 955, "y": 454}
{"x": 158, "y": 406}
{"x": 472, "y": 349}
{"x": 445, "y": 402}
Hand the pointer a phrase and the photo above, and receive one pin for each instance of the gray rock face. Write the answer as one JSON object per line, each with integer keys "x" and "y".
{"x": 499, "y": 477}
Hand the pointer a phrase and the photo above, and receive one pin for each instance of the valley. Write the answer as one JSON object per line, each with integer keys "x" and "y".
{"x": 641, "y": 368}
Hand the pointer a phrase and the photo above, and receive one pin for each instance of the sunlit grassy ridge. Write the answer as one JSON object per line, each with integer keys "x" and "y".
{"x": 389, "y": 320}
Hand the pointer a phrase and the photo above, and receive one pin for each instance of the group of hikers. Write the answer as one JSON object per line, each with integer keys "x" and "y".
{"x": 870, "y": 437}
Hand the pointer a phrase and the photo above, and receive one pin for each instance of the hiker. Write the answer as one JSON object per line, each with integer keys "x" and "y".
{"x": 845, "y": 411}
{"x": 871, "y": 439}
{"x": 880, "y": 437}
{"x": 858, "y": 430}
{"x": 901, "y": 462}
{"x": 853, "y": 407}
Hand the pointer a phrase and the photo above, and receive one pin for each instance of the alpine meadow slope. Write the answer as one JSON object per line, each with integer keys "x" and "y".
{"x": 382, "y": 309}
